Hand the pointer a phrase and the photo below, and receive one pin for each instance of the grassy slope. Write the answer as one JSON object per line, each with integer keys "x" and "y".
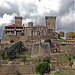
{"x": 63, "y": 58}
{"x": 58, "y": 73}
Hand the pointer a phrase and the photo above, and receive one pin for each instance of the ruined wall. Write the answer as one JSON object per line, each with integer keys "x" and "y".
{"x": 5, "y": 39}
{"x": 3, "y": 46}
{"x": 68, "y": 71}
{"x": 12, "y": 68}
{"x": 68, "y": 49}
{"x": 42, "y": 49}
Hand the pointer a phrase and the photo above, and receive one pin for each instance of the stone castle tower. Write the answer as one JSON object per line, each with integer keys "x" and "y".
{"x": 18, "y": 21}
{"x": 50, "y": 23}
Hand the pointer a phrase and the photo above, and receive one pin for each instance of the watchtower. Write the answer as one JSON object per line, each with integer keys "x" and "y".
{"x": 18, "y": 21}
{"x": 50, "y": 23}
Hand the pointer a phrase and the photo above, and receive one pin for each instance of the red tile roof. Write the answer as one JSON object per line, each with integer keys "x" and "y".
{"x": 13, "y": 25}
{"x": 70, "y": 40}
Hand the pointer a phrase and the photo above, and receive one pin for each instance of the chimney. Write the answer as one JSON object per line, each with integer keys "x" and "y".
{"x": 18, "y": 21}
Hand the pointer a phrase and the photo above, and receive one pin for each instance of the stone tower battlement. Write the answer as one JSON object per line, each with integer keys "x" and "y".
{"x": 51, "y": 23}
{"x": 18, "y": 21}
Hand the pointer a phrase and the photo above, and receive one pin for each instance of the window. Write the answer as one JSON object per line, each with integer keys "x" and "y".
{"x": 48, "y": 23}
{"x": 11, "y": 41}
{"x": 39, "y": 33}
{"x": 22, "y": 34}
{"x": 50, "y": 30}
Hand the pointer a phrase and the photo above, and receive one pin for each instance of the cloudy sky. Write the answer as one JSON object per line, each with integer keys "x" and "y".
{"x": 36, "y": 10}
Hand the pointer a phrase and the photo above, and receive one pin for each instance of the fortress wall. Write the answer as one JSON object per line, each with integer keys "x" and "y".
{"x": 68, "y": 49}
{"x": 11, "y": 69}
{"x": 68, "y": 71}
{"x": 40, "y": 49}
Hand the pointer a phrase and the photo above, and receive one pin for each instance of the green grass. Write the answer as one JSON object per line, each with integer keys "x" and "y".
{"x": 62, "y": 58}
{"x": 61, "y": 40}
{"x": 58, "y": 73}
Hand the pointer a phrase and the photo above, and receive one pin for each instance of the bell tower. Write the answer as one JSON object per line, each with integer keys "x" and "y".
{"x": 50, "y": 23}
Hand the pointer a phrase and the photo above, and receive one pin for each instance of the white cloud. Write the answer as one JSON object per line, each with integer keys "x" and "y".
{"x": 1, "y": 2}
{"x": 68, "y": 18}
{"x": 47, "y": 6}
{"x": 27, "y": 1}
{"x": 6, "y": 5}
{"x": 67, "y": 21}
{"x": 6, "y": 19}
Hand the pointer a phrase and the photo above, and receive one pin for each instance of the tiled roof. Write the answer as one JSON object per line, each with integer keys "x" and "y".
{"x": 13, "y": 25}
{"x": 70, "y": 40}
{"x": 36, "y": 27}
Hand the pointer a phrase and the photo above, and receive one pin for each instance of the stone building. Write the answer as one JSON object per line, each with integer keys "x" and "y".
{"x": 51, "y": 23}
{"x": 18, "y": 32}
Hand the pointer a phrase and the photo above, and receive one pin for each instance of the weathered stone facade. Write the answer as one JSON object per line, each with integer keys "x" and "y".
{"x": 12, "y": 68}
{"x": 17, "y": 31}
{"x": 68, "y": 48}
{"x": 50, "y": 23}
{"x": 67, "y": 71}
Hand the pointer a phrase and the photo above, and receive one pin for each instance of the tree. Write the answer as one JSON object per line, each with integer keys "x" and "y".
{"x": 19, "y": 46}
{"x": 4, "y": 53}
{"x": 71, "y": 35}
{"x": 12, "y": 52}
{"x": 43, "y": 67}
{"x": 11, "y": 55}
{"x": 61, "y": 33}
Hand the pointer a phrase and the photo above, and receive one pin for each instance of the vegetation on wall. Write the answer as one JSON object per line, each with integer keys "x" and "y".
{"x": 70, "y": 61}
{"x": 23, "y": 59}
{"x": 58, "y": 73}
{"x": 12, "y": 52}
{"x": 42, "y": 68}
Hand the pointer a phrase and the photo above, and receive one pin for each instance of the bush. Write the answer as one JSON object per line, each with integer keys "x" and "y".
{"x": 43, "y": 67}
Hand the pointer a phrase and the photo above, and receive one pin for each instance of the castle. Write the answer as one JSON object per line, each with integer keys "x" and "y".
{"x": 18, "y": 32}
{"x": 33, "y": 38}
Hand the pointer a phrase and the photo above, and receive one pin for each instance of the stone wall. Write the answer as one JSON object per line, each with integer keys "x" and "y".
{"x": 3, "y": 46}
{"x": 42, "y": 49}
{"x": 68, "y": 71}
{"x": 12, "y": 68}
{"x": 70, "y": 48}
{"x": 5, "y": 39}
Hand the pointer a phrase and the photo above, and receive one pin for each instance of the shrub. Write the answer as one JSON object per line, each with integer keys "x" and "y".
{"x": 43, "y": 67}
